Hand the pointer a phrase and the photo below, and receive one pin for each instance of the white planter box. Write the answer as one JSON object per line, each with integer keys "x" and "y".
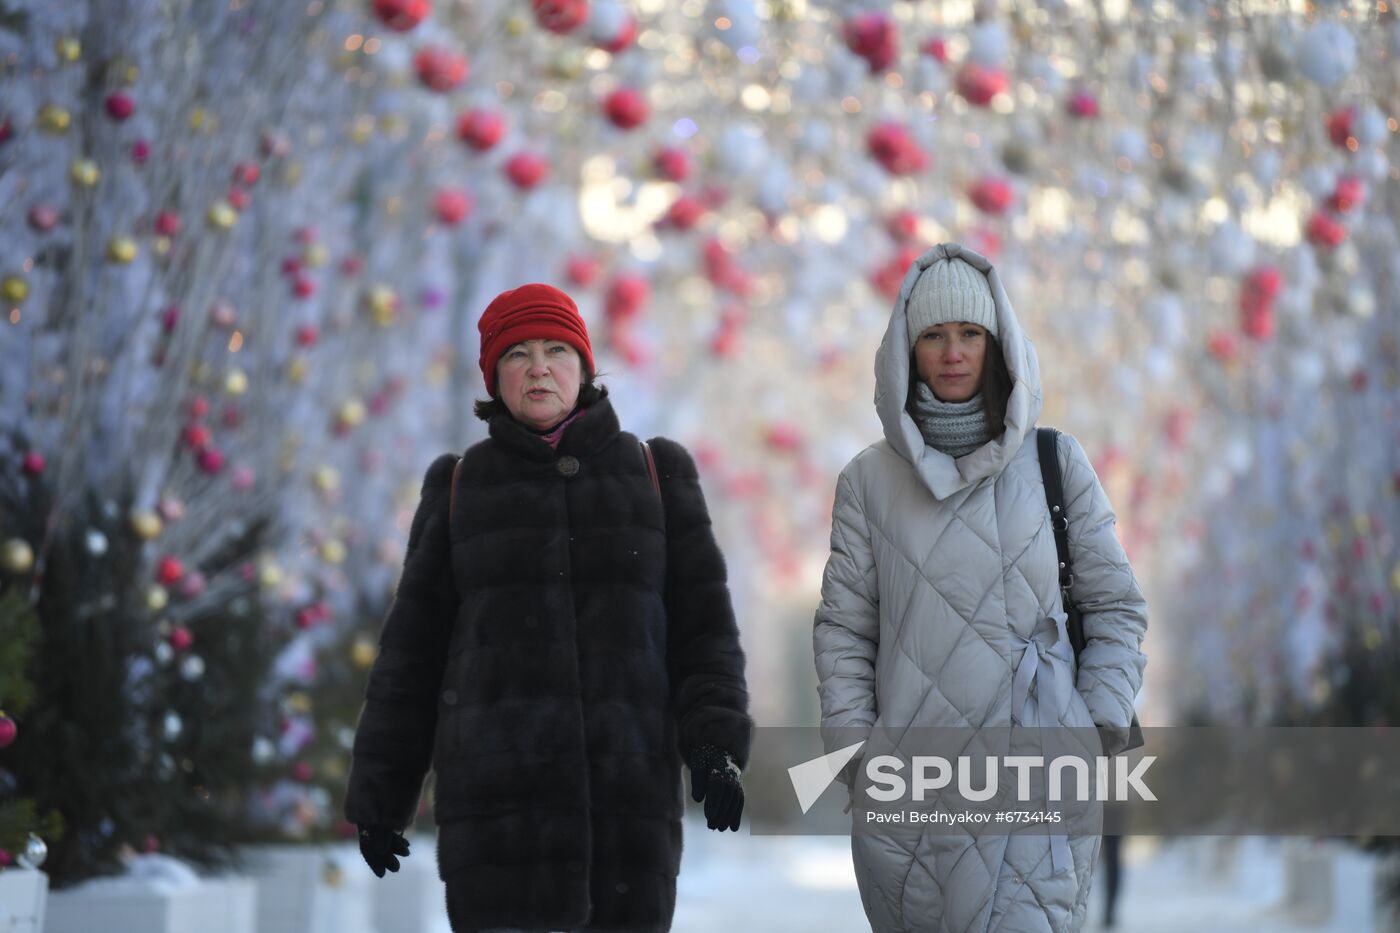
{"x": 23, "y": 892}
{"x": 158, "y": 897}
{"x": 412, "y": 899}
{"x": 311, "y": 889}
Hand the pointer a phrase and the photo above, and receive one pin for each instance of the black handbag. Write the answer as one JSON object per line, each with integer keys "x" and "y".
{"x": 1047, "y": 444}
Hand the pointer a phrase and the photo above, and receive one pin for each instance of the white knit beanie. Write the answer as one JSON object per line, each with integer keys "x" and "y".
{"x": 950, "y": 290}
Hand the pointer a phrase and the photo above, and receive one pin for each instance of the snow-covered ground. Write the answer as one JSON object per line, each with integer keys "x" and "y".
{"x": 767, "y": 884}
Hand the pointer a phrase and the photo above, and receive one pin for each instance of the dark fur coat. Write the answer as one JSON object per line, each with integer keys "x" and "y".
{"x": 580, "y": 641}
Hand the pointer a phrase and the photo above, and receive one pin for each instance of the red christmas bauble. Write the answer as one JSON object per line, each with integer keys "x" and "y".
{"x": 33, "y": 463}
{"x": 180, "y": 638}
{"x": 936, "y": 49}
{"x": 582, "y": 270}
{"x": 526, "y": 169}
{"x": 42, "y": 218}
{"x": 169, "y": 570}
{"x": 481, "y": 129}
{"x": 246, "y": 174}
{"x": 683, "y": 214}
{"x": 1339, "y": 126}
{"x": 306, "y": 335}
{"x": 626, "y": 108}
{"x": 625, "y": 297}
{"x": 140, "y": 151}
{"x": 120, "y": 105}
{"x": 1222, "y": 345}
{"x": 238, "y": 198}
{"x": 1325, "y": 231}
{"x": 453, "y": 205}
{"x": 401, "y": 15}
{"x": 211, "y": 460}
{"x": 1257, "y": 296}
{"x": 440, "y": 69}
{"x": 979, "y": 85}
{"x": 1348, "y": 194}
{"x": 872, "y": 36}
{"x": 197, "y": 436}
{"x": 671, "y": 163}
{"x": 992, "y": 195}
{"x": 1083, "y": 105}
{"x": 8, "y": 731}
{"x": 903, "y": 225}
{"x": 889, "y": 275}
{"x": 560, "y": 16}
{"x": 891, "y": 145}
{"x": 168, "y": 223}
{"x": 303, "y": 286}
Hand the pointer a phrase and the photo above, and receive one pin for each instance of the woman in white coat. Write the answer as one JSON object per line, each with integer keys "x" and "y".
{"x": 943, "y": 576}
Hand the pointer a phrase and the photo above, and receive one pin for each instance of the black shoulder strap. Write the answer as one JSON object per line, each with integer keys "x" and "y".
{"x": 1047, "y": 444}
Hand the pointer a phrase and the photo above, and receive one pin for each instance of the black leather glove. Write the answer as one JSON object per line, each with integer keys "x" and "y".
{"x": 381, "y": 847}
{"x": 714, "y": 778}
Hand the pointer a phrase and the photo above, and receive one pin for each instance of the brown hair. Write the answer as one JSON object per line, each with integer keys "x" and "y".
{"x": 995, "y": 386}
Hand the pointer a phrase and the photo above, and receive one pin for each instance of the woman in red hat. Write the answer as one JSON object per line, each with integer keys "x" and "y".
{"x": 561, "y": 640}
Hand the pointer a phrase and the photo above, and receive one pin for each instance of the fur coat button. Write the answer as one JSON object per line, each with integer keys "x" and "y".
{"x": 449, "y": 697}
{"x": 567, "y": 466}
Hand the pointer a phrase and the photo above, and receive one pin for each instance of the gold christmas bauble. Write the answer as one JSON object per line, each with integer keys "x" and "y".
{"x": 383, "y": 304}
{"x": 122, "y": 249}
{"x": 332, "y": 876}
{"x": 352, "y": 413}
{"x": 157, "y": 598}
{"x": 236, "y": 382}
{"x": 16, "y": 556}
{"x": 296, "y": 370}
{"x": 145, "y": 523}
{"x": 333, "y": 551}
{"x": 14, "y": 289}
{"x": 84, "y": 172}
{"x": 298, "y": 703}
{"x": 221, "y": 215}
{"x": 315, "y": 256}
{"x": 517, "y": 25}
{"x": 326, "y": 479}
{"x": 363, "y": 651}
{"x": 270, "y": 576}
{"x": 69, "y": 49}
{"x": 1395, "y": 578}
{"x": 53, "y": 119}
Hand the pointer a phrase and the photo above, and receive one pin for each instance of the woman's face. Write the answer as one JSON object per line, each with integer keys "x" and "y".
{"x": 950, "y": 358}
{"x": 539, "y": 381}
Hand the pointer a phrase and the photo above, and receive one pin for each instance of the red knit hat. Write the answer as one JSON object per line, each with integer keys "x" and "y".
{"x": 530, "y": 312}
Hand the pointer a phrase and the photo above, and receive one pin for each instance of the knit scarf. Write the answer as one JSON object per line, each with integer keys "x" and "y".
{"x": 955, "y": 428}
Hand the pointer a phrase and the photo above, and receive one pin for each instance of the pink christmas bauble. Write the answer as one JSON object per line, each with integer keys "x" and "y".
{"x": 872, "y": 36}
{"x": 978, "y": 85}
{"x": 582, "y": 270}
{"x": 992, "y": 195}
{"x": 120, "y": 105}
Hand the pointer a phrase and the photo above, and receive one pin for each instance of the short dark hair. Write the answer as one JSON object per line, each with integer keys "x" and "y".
{"x": 588, "y": 393}
{"x": 996, "y": 386}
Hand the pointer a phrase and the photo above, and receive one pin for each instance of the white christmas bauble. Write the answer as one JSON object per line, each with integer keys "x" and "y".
{"x": 929, "y": 77}
{"x": 744, "y": 28}
{"x": 741, "y": 151}
{"x": 96, "y": 542}
{"x": 1308, "y": 369}
{"x": 1370, "y": 127}
{"x": 1327, "y": 53}
{"x": 263, "y": 750}
{"x": 1319, "y": 180}
{"x": 172, "y": 726}
{"x": 1371, "y": 164}
{"x": 1266, "y": 164}
{"x": 1130, "y": 144}
{"x": 988, "y": 44}
{"x": 1239, "y": 456}
{"x": 1232, "y": 250}
{"x": 606, "y": 19}
{"x": 34, "y": 854}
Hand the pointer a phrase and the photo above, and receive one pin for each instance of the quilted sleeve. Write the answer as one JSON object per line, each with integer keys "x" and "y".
{"x": 846, "y": 632}
{"x": 704, "y": 659}
{"x": 394, "y": 739}
{"x": 1106, "y": 592}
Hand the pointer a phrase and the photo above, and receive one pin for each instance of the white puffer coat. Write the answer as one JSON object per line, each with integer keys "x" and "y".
{"x": 943, "y": 575}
